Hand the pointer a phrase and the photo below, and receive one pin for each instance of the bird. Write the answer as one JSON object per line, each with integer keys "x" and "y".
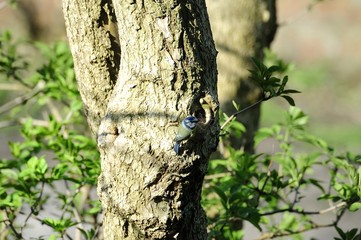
{"x": 185, "y": 130}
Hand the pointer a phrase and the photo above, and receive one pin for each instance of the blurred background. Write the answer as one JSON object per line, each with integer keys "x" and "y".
{"x": 322, "y": 42}
{"x": 320, "y": 39}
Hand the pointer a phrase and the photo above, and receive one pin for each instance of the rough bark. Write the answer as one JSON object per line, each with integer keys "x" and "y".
{"x": 92, "y": 33}
{"x": 241, "y": 30}
{"x": 166, "y": 71}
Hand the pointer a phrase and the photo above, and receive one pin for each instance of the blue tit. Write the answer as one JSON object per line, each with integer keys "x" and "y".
{"x": 185, "y": 130}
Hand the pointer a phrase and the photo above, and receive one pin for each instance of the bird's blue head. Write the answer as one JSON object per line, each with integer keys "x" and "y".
{"x": 190, "y": 122}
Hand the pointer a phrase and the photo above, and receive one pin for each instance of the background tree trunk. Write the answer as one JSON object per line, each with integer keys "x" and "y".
{"x": 241, "y": 29}
{"x": 166, "y": 70}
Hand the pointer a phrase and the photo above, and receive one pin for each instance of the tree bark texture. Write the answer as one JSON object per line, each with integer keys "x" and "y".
{"x": 156, "y": 68}
{"x": 241, "y": 30}
{"x": 92, "y": 34}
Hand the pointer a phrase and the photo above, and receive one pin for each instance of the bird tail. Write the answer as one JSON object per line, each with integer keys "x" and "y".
{"x": 176, "y": 147}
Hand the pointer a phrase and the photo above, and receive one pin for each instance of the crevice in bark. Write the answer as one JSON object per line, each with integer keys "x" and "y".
{"x": 108, "y": 20}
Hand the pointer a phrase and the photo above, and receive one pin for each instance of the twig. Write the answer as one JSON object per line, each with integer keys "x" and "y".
{"x": 32, "y": 211}
{"x": 265, "y": 182}
{"x": 63, "y": 129}
{"x": 12, "y": 227}
{"x": 218, "y": 175}
{"x": 84, "y": 190}
{"x": 339, "y": 205}
{"x": 54, "y": 110}
{"x": 22, "y": 99}
{"x": 97, "y": 231}
{"x": 12, "y": 86}
{"x": 300, "y": 14}
{"x": 240, "y": 111}
{"x": 271, "y": 235}
{"x": 35, "y": 122}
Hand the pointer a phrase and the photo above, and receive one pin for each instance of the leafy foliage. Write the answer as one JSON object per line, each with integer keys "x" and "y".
{"x": 54, "y": 169}
{"x": 253, "y": 188}
{"x": 268, "y": 190}
{"x": 51, "y": 174}
{"x": 271, "y": 85}
{"x": 10, "y": 62}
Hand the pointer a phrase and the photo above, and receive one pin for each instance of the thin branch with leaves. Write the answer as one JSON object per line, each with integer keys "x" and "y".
{"x": 270, "y": 85}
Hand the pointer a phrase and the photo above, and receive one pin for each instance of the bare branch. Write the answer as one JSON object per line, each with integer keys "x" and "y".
{"x": 10, "y": 224}
{"x": 270, "y": 235}
{"x": 22, "y": 99}
{"x": 218, "y": 175}
{"x": 35, "y": 122}
{"x": 292, "y": 210}
{"x": 339, "y": 205}
{"x": 13, "y": 86}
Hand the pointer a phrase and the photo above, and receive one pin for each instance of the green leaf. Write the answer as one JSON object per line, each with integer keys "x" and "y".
{"x": 340, "y": 232}
{"x": 9, "y": 174}
{"x": 38, "y": 165}
{"x": 258, "y": 64}
{"x": 76, "y": 106}
{"x": 316, "y": 183}
{"x": 95, "y": 210}
{"x": 58, "y": 171}
{"x": 289, "y": 100}
{"x": 284, "y": 81}
{"x": 273, "y": 69}
{"x": 55, "y": 236}
{"x": 355, "y": 206}
{"x": 59, "y": 225}
{"x": 42, "y": 166}
{"x": 15, "y": 148}
{"x": 352, "y": 234}
{"x": 273, "y": 81}
{"x": 288, "y": 91}
{"x": 251, "y": 215}
{"x": 349, "y": 235}
{"x": 10, "y": 200}
{"x": 222, "y": 195}
{"x": 87, "y": 234}
{"x": 289, "y": 222}
{"x": 235, "y": 105}
{"x": 297, "y": 116}
{"x": 263, "y": 134}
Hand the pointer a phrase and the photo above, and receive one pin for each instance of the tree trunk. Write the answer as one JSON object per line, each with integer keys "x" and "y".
{"x": 91, "y": 29}
{"x": 241, "y": 29}
{"x": 159, "y": 70}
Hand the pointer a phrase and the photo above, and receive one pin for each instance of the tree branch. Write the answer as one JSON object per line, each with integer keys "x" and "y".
{"x": 239, "y": 112}
{"x": 10, "y": 224}
{"x": 35, "y": 122}
{"x": 271, "y": 235}
{"x": 22, "y": 99}
{"x": 292, "y": 210}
